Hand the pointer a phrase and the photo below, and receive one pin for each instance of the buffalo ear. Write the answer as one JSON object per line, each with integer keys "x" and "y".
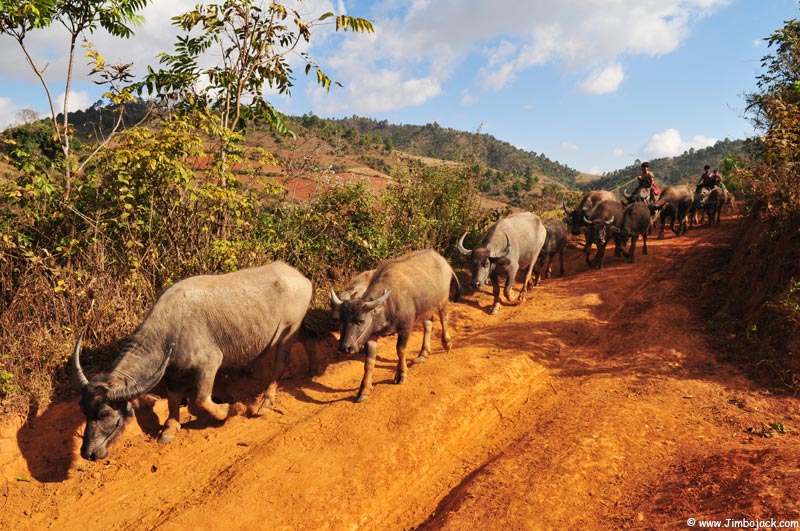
{"x": 502, "y": 262}
{"x": 613, "y": 230}
{"x": 129, "y": 410}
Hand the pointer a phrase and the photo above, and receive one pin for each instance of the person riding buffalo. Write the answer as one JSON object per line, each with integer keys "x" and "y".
{"x": 707, "y": 180}
{"x": 647, "y": 180}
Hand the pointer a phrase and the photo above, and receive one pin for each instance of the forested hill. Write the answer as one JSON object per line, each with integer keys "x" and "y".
{"x": 432, "y": 140}
{"x": 673, "y": 170}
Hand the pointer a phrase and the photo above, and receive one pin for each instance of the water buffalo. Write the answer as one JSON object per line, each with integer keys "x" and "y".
{"x": 402, "y": 292}
{"x": 588, "y": 202}
{"x": 677, "y": 203}
{"x": 195, "y": 327}
{"x": 510, "y": 245}
{"x": 554, "y": 243}
{"x": 713, "y": 205}
{"x": 635, "y": 223}
{"x": 640, "y": 194}
{"x": 603, "y": 217}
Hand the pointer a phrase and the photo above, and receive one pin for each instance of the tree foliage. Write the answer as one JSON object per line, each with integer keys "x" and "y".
{"x": 254, "y": 44}
{"x": 774, "y": 170}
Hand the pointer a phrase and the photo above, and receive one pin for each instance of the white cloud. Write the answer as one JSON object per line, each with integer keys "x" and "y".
{"x": 586, "y": 39}
{"x": 569, "y": 146}
{"x": 758, "y": 43}
{"x": 603, "y": 81}
{"x": 8, "y": 111}
{"x": 78, "y": 101}
{"x": 670, "y": 144}
{"x": 619, "y": 152}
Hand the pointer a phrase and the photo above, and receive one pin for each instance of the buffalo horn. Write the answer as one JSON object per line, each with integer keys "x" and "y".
{"x": 371, "y": 305}
{"x": 626, "y": 194}
{"x": 125, "y": 393}
{"x": 461, "y": 248}
{"x": 610, "y": 221}
{"x": 586, "y": 220}
{"x": 335, "y": 300}
{"x": 504, "y": 252}
{"x": 567, "y": 210}
{"x": 76, "y": 360}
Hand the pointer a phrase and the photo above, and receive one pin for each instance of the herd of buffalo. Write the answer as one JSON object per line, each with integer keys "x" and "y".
{"x": 203, "y": 323}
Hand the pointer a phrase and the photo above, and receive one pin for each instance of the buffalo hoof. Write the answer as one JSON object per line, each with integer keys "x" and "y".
{"x": 421, "y": 358}
{"x": 166, "y": 436}
{"x": 360, "y": 397}
{"x": 400, "y": 378}
{"x": 495, "y": 310}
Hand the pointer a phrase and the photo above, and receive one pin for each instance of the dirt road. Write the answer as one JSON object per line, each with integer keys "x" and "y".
{"x": 599, "y": 403}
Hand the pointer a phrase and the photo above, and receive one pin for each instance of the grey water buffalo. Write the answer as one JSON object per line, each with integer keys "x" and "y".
{"x": 554, "y": 243}
{"x": 195, "y": 327}
{"x": 677, "y": 203}
{"x": 587, "y": 204}
{"x": 510, "y": 245}
{"x": 600, "y": 222}
{"x": 635, "y": 223}
{"x": 403, "y": 291}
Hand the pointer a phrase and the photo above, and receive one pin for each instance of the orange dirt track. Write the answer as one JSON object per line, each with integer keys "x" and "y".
{"x": 599, "y": 403}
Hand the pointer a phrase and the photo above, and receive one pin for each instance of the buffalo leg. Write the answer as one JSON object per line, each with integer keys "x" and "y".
{"x": 173, "y": 424}
{"x": 598, "y": 258}
{"x": 401, "y": 373}
{"x": 587, "y": 249}
{"x": 631, "y": 254}
{"x": 495, "y": 293}
{"x": 644, "y": 243}
{"x": 423, "y": 353}
{"x": 369, "y": 365}
{"x": 444, "y": 312}
{"x": 528, "y": 273}
{"x": 508, "y": 290}
{"x": 561, "y": 261}
{"x": 282, "y": 359}
{"x": 205, "y": 385}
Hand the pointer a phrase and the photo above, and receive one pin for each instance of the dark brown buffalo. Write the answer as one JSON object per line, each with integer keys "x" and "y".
{"x": 712, "y": 206}
{"x": 588, "y": 202}
{"x": 635, "y": 223}
{"x": 195, "y": 327}
{"x": 601, "y": 220}
{"x": 554, "y": 243}
{"x": 676, "y": 203}
{"x": 402, "y": 292}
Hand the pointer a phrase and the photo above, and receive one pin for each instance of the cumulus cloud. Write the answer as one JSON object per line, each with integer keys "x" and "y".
{"x": 420, "y": 45}
{"x": 669, "y": 144}
{"x": 569, "y": 146}
{"x": 586, "y": 40}
{"x": 603, "y": 81}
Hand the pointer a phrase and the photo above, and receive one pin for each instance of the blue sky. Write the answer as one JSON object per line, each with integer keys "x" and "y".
{"x": 594, "y": 84}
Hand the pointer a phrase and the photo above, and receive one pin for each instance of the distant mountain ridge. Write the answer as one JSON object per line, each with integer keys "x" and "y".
{"x": 672, "y": 170}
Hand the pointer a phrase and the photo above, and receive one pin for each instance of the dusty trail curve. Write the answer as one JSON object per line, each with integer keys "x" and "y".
{"x": 597, "y": 403}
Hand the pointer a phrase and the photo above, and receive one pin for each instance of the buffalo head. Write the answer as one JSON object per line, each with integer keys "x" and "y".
{"x": 359, "y": 319}
{"x": 107, "y": 406}
{"x": 482, "y": 260}
{"x": 576, "y": 217}
{"x": 600, "y": 229}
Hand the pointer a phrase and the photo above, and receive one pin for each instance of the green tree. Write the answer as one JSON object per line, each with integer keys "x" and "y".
{"x": 19, "y": 17}
{"x": 775, "y": 110}
{"x": 254, "y": 44}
